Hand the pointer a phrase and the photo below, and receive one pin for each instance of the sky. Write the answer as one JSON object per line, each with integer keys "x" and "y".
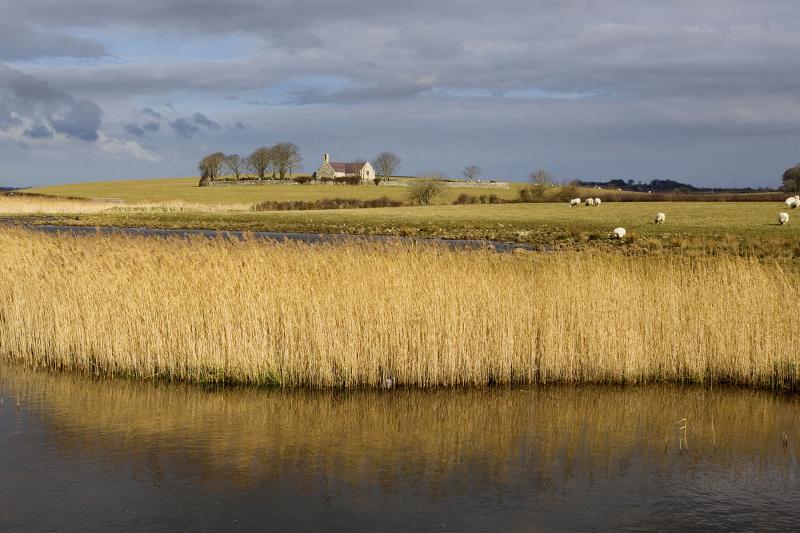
{"x": 706, "y": 92}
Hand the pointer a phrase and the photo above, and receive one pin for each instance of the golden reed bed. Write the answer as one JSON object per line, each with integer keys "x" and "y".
{"x": 369, "y": 315}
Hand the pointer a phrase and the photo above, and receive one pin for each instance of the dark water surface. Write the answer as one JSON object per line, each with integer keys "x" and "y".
{"x": 310, "y": 238}
{"x": 79, "y": 454}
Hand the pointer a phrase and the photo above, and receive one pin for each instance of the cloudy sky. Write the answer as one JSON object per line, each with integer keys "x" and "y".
{"x": 703, "y": 91}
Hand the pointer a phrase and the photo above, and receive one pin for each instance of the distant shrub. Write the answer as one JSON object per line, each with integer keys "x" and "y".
{"x": 328, "y": 203}
{"x": 466, "y": 199}
{"x": 348, "y": 180}
{"x": 377, "y": 180}
{"x": 303, "y": 179}
{"x": 424, "y": 192}
{"x": 567, "y": 192}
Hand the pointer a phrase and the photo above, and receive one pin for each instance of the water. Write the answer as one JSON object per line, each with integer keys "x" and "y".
{"x": 79, "y": 454}
{"x": 310, "y": 238}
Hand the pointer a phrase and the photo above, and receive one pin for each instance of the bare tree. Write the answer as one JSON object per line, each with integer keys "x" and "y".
{"x": 287, "y": 158}
{"x": 260, "y": 160}
{"x": 539, "y": 182}
{"x": 209, "y": 167}
{"x": 386, "y": 163}
{"x": 472, "y": 172}
{"x": 235, "y": 164}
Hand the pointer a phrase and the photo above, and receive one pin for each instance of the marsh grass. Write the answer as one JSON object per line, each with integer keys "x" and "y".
{"x": 357, "y": 314}
{"x": 694, "y": 228}
{"x": 23, "y": 204}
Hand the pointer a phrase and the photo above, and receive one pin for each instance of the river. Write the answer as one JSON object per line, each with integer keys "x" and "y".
{"x": 84, "y": 454}
{"x": 309, "y": 238}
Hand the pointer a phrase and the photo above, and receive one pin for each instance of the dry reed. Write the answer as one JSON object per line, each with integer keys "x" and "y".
{"x": 360, "y": 314}
{"x": 22, "y": 204}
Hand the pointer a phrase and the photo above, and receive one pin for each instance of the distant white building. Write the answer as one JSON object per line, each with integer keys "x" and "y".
{"x": 331, "y": 169}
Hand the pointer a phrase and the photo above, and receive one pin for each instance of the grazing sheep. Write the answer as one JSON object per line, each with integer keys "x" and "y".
{"x": 597, "y": 201}
{"x": 792, "y": 202}
{"x": 619, "y": 233}
{"x": 575, "y": 201}
{"x": 783, "y": 218}
{"x": 660, "y": 218}
{"x": 590, "y": 201}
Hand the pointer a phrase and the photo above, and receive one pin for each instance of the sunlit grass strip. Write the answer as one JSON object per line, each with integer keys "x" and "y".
{"x": 24, "y": 204}
{"x": 359, "y": 314}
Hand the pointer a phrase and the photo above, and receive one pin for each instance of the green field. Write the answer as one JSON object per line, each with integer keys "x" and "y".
{"x": 689, "y": 226}
{"x": 702, "y": 227}
{"x": 186, "y": 190}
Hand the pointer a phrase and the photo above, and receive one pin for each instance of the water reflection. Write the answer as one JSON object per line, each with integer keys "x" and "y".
{"x": 555, "y": 457}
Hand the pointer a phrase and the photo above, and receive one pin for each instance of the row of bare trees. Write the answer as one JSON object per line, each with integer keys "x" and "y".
{"x": 278, "y": 160}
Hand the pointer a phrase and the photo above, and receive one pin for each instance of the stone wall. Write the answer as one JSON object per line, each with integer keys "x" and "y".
{"x": 244, "y": 183}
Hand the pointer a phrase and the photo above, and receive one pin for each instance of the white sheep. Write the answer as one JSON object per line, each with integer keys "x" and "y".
{"x": 575, "y": 201}
{"x": 783, "y": 218}
{"x": 660, "y": 218}
{"x": 590, "y": 201}
{"x": 792, "y": 202}
{"x": 619, "y": 233}
{"x": 597, "y": 201}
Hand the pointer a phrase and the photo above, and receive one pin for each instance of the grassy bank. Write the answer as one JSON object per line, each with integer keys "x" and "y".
{"x": 186, "y": 190}
{"x": 692, "y": 227}
{"x": 357, "y": 315}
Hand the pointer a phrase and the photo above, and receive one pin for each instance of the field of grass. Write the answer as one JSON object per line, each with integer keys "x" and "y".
{"x": 358, "y": 314}
{"x": 186, "y": 190}
{"x": 695, "y": 227}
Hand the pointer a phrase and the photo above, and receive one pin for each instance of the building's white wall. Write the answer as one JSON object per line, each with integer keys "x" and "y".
{"x": 367, "y": 172}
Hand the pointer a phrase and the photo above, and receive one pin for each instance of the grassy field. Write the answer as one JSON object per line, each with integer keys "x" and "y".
{"x": 358, "y": 314}
{"x": 186, "y": 190}
{"x": 695, "y": 227}
{"x": 692, "y": 227}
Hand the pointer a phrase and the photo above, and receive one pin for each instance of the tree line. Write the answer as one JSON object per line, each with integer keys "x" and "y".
{"x": 278, "y": 160}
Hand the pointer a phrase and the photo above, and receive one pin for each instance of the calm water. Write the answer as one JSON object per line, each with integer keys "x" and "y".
{"x": 82, "y": 454}
{"x": 309, "y": 238}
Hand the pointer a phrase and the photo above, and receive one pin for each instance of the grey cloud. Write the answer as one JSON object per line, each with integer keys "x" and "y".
{"x": 556, "y": 48}
{"x": 19, "y": 41}
{"x": 141, "y": 130}
{"x": 39, "y": 131}
{"x": 356, "y": 95}
{"x": 240, "y": 126}
{"x": 80, "y": 121}
{"x": 153, "y": 113}
{"x": 628, "y": 71}
{"x": 7, "y": 120}
{"x": 187, "y": 127}
{"x": 206, "y": 122}
{"x": 184, "y": 127}
{"x": 133, "y": 128}
{"x": 36, "y": 101}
